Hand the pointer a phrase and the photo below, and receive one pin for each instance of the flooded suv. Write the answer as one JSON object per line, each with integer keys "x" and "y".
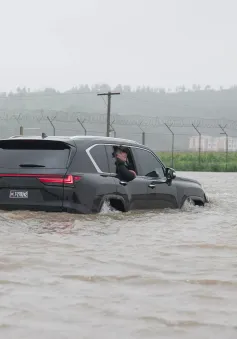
{"x": 78, "y": 174}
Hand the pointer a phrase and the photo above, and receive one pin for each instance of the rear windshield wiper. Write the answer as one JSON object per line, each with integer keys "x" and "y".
{"x": 30, "y": 165}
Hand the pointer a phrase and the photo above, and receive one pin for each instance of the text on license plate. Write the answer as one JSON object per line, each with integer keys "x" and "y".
{"x": 18, "y": 194}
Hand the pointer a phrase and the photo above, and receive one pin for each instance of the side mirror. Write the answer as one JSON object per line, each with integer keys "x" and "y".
{"x": 170, "y": 173}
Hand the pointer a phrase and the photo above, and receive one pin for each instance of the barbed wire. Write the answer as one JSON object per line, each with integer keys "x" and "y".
{"x": 41, "y": 115}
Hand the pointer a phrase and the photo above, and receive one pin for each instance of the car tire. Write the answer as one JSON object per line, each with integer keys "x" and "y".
{"x": 190, "y": 201}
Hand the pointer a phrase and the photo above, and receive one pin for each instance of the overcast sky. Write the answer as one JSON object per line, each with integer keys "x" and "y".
{"x": 64, "y": 43}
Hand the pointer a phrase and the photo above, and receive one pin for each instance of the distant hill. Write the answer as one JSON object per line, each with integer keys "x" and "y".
{"x": 146, "y": 101}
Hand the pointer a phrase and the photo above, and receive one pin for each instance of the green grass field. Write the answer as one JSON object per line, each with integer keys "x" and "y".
{"x": 209, "y": 161}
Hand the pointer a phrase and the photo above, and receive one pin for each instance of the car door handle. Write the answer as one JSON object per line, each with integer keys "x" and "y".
{"x": 124, "y": 183}
{"x": 152, "y": 185}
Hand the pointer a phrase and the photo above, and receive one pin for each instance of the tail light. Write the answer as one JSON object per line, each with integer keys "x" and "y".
{"x": 48, "y": 179}
{"x": 68, "y": 180}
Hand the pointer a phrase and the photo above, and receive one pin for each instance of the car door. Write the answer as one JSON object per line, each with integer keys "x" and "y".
{"x": 134, "y": 192}
{"x": 161, "y": 194}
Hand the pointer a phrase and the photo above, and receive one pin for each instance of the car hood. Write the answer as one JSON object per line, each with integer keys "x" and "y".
{"x": 178, "y": 178}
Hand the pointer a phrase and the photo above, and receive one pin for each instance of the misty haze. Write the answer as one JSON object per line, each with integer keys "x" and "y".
{"x": 167, "y": 58}
{"x": 144, "y": 274}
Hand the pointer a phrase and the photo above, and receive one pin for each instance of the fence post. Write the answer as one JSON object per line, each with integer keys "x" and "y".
{"x": 172, "y": 156}
{"x": 51, "y": 122}
{"x": 82, "y": 125}
{"x": 18, "y": 118}
{"x": 143, "y": 134}
{"x": 143, "y": 138}
{"x": 226, "y": 145}
{"x": 18, "y": 121}
{"x": 199, "y": 146}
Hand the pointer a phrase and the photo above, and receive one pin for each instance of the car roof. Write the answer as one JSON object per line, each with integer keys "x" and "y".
{"x": 76, "y": 138}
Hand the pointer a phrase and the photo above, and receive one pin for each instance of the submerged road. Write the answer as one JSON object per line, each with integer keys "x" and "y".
{"x": 163, "y": 274}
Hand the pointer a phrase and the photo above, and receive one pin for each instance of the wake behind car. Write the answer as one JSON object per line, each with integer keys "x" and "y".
{"x": 78, "y": 174}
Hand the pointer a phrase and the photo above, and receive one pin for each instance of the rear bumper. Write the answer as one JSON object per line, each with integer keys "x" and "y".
{"x": 67, "y": 207}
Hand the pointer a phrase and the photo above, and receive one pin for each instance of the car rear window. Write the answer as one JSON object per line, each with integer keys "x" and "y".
{"x": 50, "y": 154}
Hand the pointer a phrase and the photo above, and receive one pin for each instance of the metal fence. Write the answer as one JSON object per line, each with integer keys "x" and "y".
{"x": 169, "y": 136}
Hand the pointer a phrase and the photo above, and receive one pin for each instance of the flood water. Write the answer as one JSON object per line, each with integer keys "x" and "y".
{"x": 168, "y": 274}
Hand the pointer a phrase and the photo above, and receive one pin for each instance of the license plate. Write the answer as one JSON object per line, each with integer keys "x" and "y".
{"x": 18, "y": 195}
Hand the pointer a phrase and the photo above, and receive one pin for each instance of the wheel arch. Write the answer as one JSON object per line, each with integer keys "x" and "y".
{"x": 116, "y": 201}
{"x": 198, "y": 201}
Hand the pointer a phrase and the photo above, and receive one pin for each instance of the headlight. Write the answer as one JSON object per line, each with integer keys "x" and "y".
{"x": 207, "y": 199}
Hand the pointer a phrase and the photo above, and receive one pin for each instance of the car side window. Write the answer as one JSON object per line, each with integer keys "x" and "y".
{"x": 148, "y": 165}
{"x": 99, "y": 155}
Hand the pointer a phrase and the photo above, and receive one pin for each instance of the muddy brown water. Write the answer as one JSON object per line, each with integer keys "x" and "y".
{"x": 157, "y": 274}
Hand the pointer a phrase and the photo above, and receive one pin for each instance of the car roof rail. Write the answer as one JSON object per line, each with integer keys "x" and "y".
{"x": 98, "y": 137}
{"x": 14, "y": 136}
{"x": 43, "y": 136}
{"x": 74, "y": 137}
{"x": 25, "y": 137}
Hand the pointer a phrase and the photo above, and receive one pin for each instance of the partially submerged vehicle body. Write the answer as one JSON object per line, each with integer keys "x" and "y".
{"x": 78, "y": 174}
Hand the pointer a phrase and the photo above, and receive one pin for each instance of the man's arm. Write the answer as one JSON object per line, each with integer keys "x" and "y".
{"x": 123, "y": 172}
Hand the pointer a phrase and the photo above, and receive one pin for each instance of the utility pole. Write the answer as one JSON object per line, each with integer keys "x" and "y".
{"x": 112, "y": 128}
{"x": 109, "y": 95}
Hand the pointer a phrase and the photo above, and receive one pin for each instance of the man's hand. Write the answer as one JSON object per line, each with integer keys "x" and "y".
{"x": 122, "y": 156}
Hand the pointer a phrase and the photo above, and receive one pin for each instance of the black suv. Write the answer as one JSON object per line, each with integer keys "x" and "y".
{"x": 78, "y": 174}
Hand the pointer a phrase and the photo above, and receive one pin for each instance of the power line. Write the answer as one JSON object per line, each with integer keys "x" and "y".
{"x": 104, "y": 101}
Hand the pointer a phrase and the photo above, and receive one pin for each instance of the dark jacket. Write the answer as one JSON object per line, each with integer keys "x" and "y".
{"x": 123, "y": 171}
